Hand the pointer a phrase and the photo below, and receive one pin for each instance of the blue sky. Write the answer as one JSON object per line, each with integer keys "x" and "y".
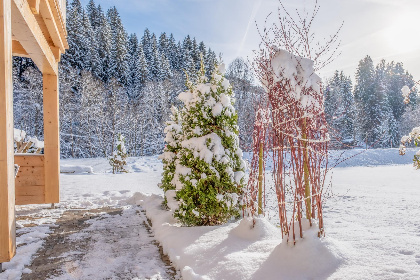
{"x": 381, "y": 28}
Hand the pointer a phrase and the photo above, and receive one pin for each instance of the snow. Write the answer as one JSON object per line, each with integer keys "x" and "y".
{"x": 29, "y": 241}
{"x": 217, "y": 109}
{"x": 372, "y": 230}
{"x": 18, "y": 134}
{"x": 301, "y": 75}
{"x": 75, "y": 169}
{"x": 171, "y": 201}
{"x": 238, "y": 251}
{"x": 36, "y": 143}
{"x": 205, "y": 147}
{"x": 406, "y": 93}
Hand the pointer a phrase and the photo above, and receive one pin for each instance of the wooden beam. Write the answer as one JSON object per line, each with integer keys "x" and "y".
{"x": 18, "y": 50}
{"x": 48, "y": 17}
{"x": 7, "y": 180}
{"x": 57, "y": 53}
{"x": 51, "y": 139}
{"x": 26, "y": 30}
{"x": 34, "y": 5}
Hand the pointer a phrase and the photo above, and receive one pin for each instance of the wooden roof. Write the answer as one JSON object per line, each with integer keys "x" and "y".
{"x": 39, "y": 32}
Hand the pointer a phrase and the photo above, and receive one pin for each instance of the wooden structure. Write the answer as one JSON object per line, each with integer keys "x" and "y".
{"x": 35, "y": 29}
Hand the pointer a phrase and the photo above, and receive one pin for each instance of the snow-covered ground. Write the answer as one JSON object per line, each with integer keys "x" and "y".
{"x": 372, "y": 228}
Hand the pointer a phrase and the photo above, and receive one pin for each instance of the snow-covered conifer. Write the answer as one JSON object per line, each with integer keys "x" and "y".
{"x": 209, "y": 172}
{"x": 118, "y": 160}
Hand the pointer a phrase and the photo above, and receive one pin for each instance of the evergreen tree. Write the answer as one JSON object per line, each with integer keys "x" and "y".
{"x": 239, "y": 74}
{"x": 118, "y": 160}
{"x": 164, "y": 45}
{"x": 381, "y": 114}
{"x": 134, "y": 72}
{"x": 209, "y": 169}
{"x": 119, "y": 65}
{"x": 147, "y": 45}
{"x": 155, "y": 63}
{"x": 364, "y": 99}
{"x": 104, "y": 47}
{"x": 202, "y": 49}
{"x": 165, "y": 68}
{"x": 173, "y": 53}
{"x": 74, "y": 55}
{"x": 398, "y": 78}
{"x": 339, "y": 110}
{"x": 144, "y": 68}
{"x": 195, "y": 54}
{"x": 348, "y": 109}
{"x": 93, "y": 14}
{"x": 210, "y": 62}
{"x": 173, "y": 138}
{"x": 89, "y": 43}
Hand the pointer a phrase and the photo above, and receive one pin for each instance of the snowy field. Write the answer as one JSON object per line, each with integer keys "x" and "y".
{"x": 372, "y": 228}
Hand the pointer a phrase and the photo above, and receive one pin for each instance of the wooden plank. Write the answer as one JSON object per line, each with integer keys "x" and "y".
{"x": 30, "y": 176}
{"x": 48, "y": 17}
{"x": 18, "y": 50}
{"x": 7, "y": 182}
{"x": 51, "y": 139}
{"x": 25, "y": 160}
{"x": 25, "y": 200}
{"x": 34, "y": 5}
{"x": 27, "y": 31}
{"x": 30, "y": 191}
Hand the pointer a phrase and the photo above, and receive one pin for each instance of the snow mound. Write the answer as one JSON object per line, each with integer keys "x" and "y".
{"x": 262, "y": 229}
{"x": 239, "y": 250}
{"x": 75, "y": 169}
{"x": 310, "y": 258}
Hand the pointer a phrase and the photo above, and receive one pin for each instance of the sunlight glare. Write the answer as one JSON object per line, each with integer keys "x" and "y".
{"x": 403, "y": 34}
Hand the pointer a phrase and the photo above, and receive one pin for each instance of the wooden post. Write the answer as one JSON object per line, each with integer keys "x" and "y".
{"x": 7, "y": 176}
{"x": 51, "y": 139}
{"x": 260, "y": 178}
{"x": 306, "y": 172}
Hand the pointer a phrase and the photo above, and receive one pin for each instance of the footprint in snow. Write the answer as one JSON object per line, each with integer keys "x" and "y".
{"x": 406, "y": 252}
{"x": 398, "y": 270}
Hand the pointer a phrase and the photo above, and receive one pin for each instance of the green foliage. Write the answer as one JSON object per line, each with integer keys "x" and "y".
{"x": 118, "y": 160}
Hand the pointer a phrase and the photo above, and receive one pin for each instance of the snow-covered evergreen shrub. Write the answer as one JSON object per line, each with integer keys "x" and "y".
{"x": 415, "y": 137}
{"x": 209, "y": 171}
{"x": 118, "y": 160}
{"x": 173, "y": 139}
{"x": 414, "y": 134}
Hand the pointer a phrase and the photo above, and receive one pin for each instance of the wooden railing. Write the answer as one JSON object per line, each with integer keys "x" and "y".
{"x": 30, "y": 179}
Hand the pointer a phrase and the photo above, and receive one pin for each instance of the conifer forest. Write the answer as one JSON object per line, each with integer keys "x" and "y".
{"x": 113, "y": 82}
